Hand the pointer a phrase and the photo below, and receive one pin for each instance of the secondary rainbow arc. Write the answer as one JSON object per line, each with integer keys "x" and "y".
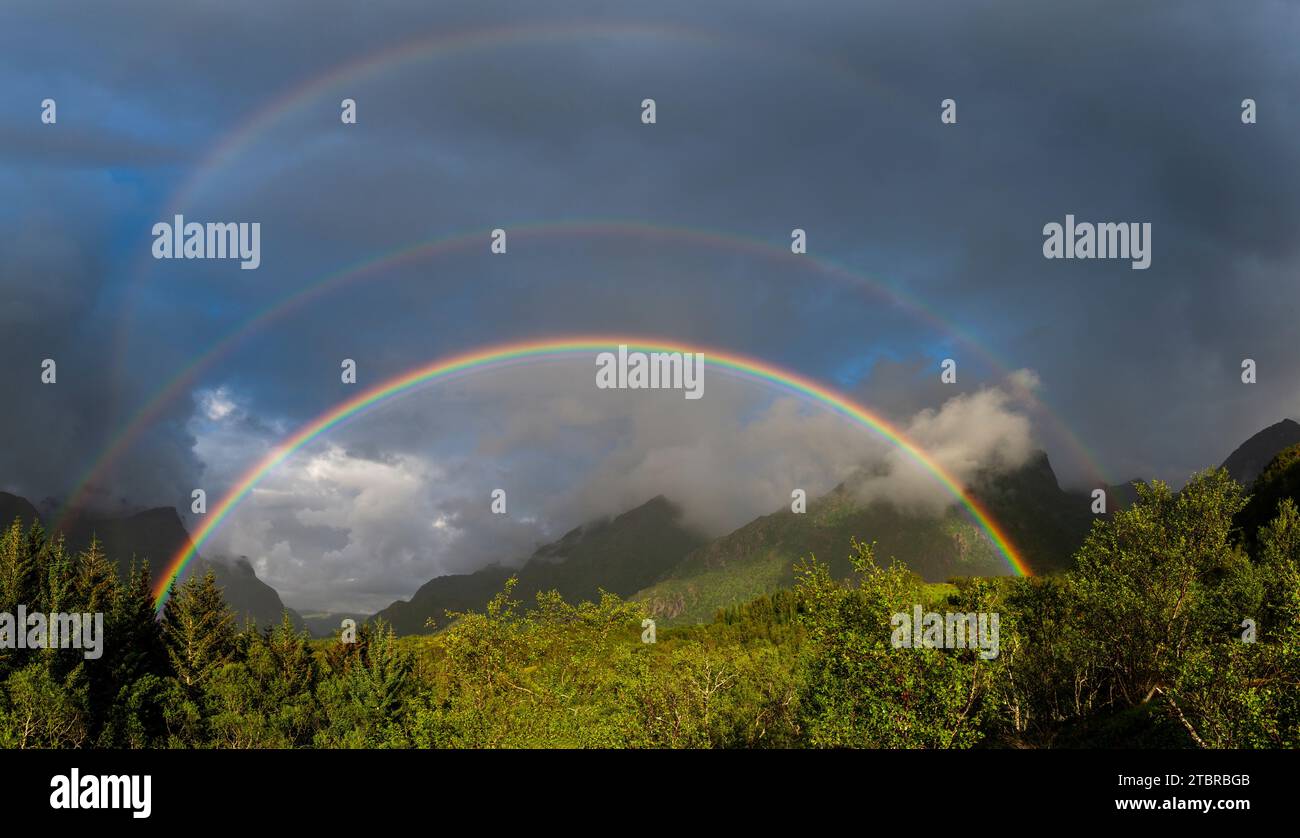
{"x": 372, "y": 265}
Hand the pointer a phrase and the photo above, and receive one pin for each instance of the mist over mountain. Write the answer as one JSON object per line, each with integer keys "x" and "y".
{"x": 1043, "y": 521}
{"x": 652, "y": 552}
{"x": 647, "y": 553}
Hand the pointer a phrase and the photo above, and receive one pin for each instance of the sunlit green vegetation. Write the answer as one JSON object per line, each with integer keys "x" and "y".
{"x": 1141, "y": 643}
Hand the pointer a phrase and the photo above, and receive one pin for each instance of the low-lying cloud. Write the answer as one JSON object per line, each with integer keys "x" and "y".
{"x": 396, "y": 498}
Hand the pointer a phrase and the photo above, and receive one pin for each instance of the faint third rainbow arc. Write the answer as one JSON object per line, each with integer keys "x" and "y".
{"x": 444, "y": 44}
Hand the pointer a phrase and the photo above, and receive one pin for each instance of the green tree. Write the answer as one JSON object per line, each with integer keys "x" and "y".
{"x": 266, "y": 700}
{"x": 96, "y": 581}
{"x": 42, "y": 710}
{"x": 20, "y": 571}
{"x": 364, "y": 703}
{"x": 1237, "y": 694}
{"x": 860, "y": 691}
{"x": 129, "y": 695}
{"x": 198, "y": 631}
{"x": 1158, "y": 583}
{"x": 1279, "y": 480}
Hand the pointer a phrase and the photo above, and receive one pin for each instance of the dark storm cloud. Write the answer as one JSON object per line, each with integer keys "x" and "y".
{"x": 823, "y": 116}
{"x": 78, "y": 148}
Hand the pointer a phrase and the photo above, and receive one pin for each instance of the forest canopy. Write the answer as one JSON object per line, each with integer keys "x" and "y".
{"x": 1178, "y": 626}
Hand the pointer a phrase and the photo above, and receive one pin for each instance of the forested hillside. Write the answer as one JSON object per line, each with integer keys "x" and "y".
{"x": 1143, "y": 643}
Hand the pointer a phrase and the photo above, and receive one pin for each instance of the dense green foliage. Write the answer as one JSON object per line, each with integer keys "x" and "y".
{"x": 1279, "y": 481}
{"x": 1140, "y": 644}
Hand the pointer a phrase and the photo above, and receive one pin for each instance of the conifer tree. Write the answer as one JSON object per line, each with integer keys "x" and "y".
{"x": 12, "y": 551}
{"x": 20, "y": 582}
{"x": 96, "y": 581}
{"x": 34, "y": 578}
{"x": 290, "y": 653}
{"x": 268, "y": 698}
{"x": 363, "y": 703}
{"x": 125, "y": 686}
{"x": 198, "y": 630}
{"x": 137, "y": 635}
{"x": 60, "y": 577}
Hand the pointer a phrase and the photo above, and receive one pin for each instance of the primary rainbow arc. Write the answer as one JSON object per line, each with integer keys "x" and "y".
{"x": 486, "y": 358}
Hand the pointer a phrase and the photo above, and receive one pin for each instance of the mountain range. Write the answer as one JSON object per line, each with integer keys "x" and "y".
{"x": 651, "y": 554}
{"x": 621, "y": 555}
{"x": 1044, "y": 521}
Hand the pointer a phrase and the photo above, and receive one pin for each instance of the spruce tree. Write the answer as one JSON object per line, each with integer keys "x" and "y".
{"x": 198, "y": 631}
{"x": 364, "y": 703}
{"x": 12, "y": 552}
{"x": 60, "y": 577}
{"x": 97, "y": 583}
{"x": 127, "y": 681}
{"x": 34, "y": 582}
{"x": 20, "y": 571}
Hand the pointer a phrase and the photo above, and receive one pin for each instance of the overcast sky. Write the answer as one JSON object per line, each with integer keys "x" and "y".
{"x": 925, "y": 242}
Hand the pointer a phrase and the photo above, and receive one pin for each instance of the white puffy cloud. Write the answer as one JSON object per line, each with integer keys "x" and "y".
{"x": 970, "y": 432}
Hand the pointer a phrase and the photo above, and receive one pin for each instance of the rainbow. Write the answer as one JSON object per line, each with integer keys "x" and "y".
{"x": 502, "y": 355}
{"x": 443, "y": 44}
{"x": 304, "y": 97}
{"x": 346, "y": 77}
{"x": 430, "y": 248}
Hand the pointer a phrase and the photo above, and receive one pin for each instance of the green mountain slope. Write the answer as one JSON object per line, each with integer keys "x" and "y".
{"x": 1249, "y": 459}
{"x": 620, "y": 555}
{"x": 1280, "y": 480}
{"x": 1044, "y": 522}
